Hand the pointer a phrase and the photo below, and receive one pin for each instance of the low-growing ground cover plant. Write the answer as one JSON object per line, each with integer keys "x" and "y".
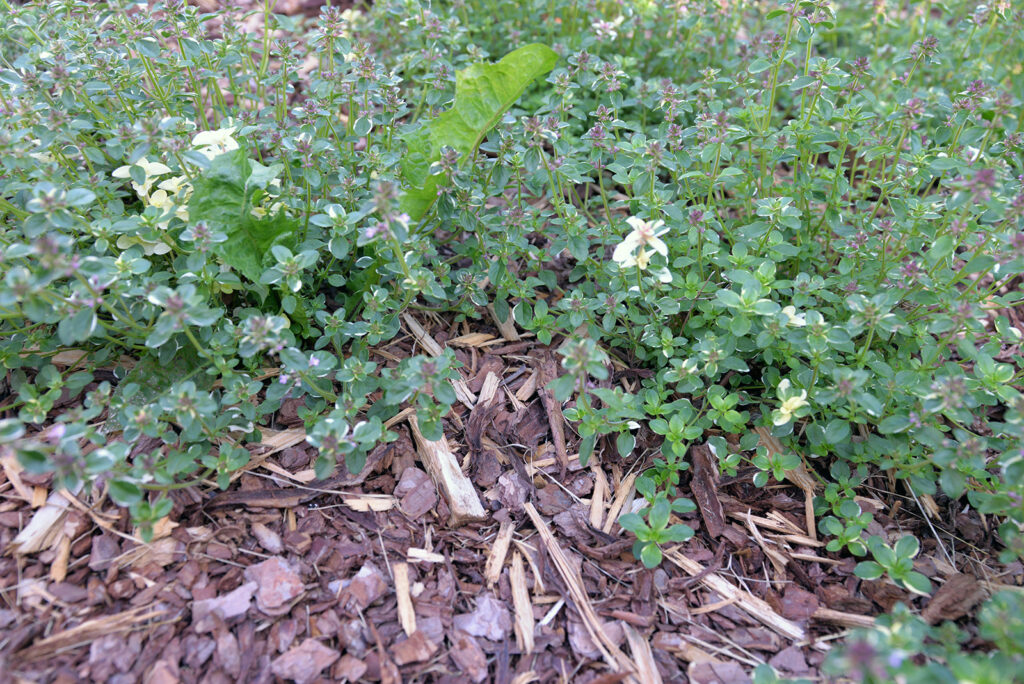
{"x": 804, "y": 217}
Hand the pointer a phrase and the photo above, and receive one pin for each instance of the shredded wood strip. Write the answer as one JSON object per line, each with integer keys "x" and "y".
{"x": 624, "y": 491}
{"x": 615, "y": 658}
{"x": 647, "y": 670}
{"x": 88, "y": 631}
{"x": 749, "y": 603}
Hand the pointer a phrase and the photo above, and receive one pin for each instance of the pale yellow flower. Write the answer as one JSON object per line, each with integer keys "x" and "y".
{"x": 793, "y": 318}
{"x": 153, "y": 170}
{"x": 790, "y": 403}
{"x": 149, "y": 247}
{"x": 211, "y": 144}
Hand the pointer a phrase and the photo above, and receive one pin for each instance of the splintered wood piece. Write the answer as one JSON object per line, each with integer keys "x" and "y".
{"x": 87, "y": 632}
{"x": 528, "y": 388}
{"x": 406, "y": 613}
{"x": 272, "y": 442}
{"x": 521, "y": 602}
{"x": 507, "y": 328}
{"x": 473, "y": 340}
{"x": 624, "y": 490}
{"x": 838, "y": 617}
{"x": 453, "y": 484}
{"x": 646, "y": 669}
{"x": 749, "y": 603}
{"x": 597, "y": 498}
{"x": 499, "y": 550}
{"x": 615, "y": 658}
{"x": 424, "y": 555}
{"x": 538, "y": 579}
{"x": 43, "y": 530}
{"x": 798, "y": 476}
{"x": 430, "y": 345}
{"x": 59, "y": 566}
{"x": 489, "y": 389}
{"x": 12, "y": 469}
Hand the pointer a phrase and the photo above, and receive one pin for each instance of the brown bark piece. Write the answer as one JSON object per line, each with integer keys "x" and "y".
{"x": 415, "y": 649}
{"x": 278, "y": 584}
{"x": 954, "y": 599}
{"x": 304, "y": 663}
{"x": 704, "y": 486}
{"x": 548, "y": 370}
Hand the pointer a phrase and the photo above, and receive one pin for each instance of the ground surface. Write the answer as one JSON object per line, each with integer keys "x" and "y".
{"x": 368, "y": 578}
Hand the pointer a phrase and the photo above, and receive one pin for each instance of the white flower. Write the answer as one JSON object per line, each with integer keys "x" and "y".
{"x": 606, "y": 29}
{"x": 793, "y": 318}
{"x": 211, "y": 144}
{"x": 632, "y": 251}
{"x": 791, "y": 402}
{"x": 151, "y": 169}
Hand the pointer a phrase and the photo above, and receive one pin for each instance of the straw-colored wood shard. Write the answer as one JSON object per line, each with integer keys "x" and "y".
{"x": 452, "y": 483}
{"x": 406, "y": 612}
{"x": 524, "y": 624}
{"x": 499, "y": 550}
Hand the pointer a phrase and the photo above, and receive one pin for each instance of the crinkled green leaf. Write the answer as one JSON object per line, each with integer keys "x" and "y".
{"x": 223, "y": 197}
{"x": 483, "y": 92}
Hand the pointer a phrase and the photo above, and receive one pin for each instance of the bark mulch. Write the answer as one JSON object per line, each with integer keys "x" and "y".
{"x": 493, "y": 555}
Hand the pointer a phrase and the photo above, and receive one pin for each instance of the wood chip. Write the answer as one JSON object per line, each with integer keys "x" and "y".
{"x": 527, "y": 389}
{"x": 370, "y": 502}
{"x": 45, "y": 528}
{"x": 415, "y": 554}
{"x": 838, "y": 617}
{"x": 548, "y": 370}
{"x": 87, "y": 632}
{"x": 472, "y": 340}
{"x": 451, "y": 482}
{"x": 524, "y": 625}
{"x": 499, "y": 549}
{"x": 704, "y": 487}
{"x": 406, "y": 613}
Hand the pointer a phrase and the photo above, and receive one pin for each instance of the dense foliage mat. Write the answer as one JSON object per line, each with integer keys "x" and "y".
{"x": 728, "y": 221}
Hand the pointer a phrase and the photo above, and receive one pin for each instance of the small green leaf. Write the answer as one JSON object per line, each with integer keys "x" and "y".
{"x": 917, "y": 583}
{"x": 124, "y": 493}
{"x": 868, "y": 570}
{"x": 631, "y": 522}
{"x": 907, "y": 546}
{"x": 651, "y": 556}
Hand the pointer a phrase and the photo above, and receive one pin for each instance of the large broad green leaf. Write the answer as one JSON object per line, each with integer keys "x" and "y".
{"x": 483, "y": 92}
{"x": 224, "y": 197}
